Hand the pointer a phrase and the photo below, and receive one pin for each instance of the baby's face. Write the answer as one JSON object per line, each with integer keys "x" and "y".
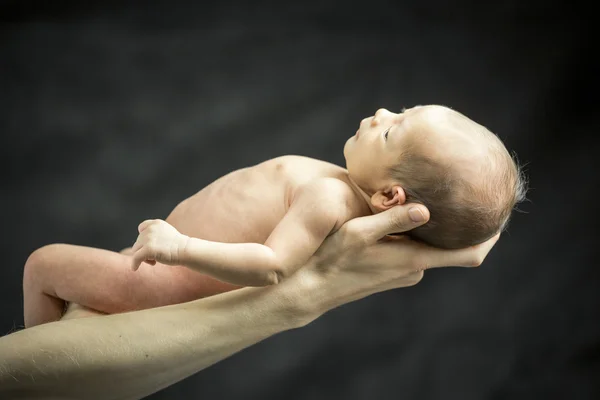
{"x": 381, "y": 139}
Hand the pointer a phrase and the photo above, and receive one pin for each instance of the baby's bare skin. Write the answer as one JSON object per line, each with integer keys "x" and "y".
{"x": 243, "y": 206}
{"x": 250, "y": 206}
{"x": 247, "y": 204}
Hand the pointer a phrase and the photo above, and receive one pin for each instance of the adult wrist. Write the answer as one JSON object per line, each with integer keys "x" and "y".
{"x": 315, "y": 292}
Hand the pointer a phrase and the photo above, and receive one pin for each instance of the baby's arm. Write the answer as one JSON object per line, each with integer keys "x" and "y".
{"x": 318, "y": 209}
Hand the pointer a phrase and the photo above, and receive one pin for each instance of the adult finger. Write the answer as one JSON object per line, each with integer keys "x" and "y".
{"x": 468, "y": 257}
{"x": 397, "y": 219}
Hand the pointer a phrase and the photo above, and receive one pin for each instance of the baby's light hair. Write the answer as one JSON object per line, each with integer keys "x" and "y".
{"x": 463, "y": 212}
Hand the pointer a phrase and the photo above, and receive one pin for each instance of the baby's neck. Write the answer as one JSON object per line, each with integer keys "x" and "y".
{"x": 360, "y": 192}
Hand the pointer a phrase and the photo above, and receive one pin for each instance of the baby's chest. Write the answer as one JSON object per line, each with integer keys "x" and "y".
{"x": 233, "y": 215}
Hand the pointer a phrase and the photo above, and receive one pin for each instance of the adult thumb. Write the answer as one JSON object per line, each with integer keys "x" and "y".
{"x": 397, "y": 219}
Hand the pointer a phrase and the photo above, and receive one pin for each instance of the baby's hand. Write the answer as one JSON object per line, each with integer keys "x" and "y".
{"x": 158, "y": 241}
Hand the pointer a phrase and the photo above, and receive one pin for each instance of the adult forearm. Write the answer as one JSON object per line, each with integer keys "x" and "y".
{"x": 129, "y": 356}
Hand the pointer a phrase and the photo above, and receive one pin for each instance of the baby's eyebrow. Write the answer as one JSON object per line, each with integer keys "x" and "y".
{"x": 402, "y": 122}
{"x": 399, "y": 119}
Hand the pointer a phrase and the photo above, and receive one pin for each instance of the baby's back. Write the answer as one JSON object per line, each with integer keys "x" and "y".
{"x": 246, "y": 205}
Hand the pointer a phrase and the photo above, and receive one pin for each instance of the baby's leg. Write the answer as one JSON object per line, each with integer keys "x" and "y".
{"x": 103, "y": 280}
{"x": 75, "y": 311}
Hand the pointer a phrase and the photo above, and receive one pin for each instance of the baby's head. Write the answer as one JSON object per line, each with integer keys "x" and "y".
{"x": 438, "y": 157}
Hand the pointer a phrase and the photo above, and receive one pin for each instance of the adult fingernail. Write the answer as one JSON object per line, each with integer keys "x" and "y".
{"x": 416, "y": 215}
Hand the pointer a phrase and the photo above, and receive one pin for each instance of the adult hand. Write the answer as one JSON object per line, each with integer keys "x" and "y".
{"x": 136, "y": 350}
{"x": 360, "y": 259}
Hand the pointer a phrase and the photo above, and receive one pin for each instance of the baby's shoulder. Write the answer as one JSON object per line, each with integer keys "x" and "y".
{"x": 331, "y": 186}
{"x": 303, "y": 168}
{"x": 339, "y": 196}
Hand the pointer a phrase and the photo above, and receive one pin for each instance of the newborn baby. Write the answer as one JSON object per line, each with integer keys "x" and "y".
{"x": 258, "y": 225}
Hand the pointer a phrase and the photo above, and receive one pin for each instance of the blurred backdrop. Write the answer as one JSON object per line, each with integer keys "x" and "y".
{"x": 112, "y": 112}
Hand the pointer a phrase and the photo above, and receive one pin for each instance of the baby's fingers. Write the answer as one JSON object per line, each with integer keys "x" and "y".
{"x": 137, "y": 245}
{"x": 138, "y": 258}
{"x": 145, "y": 224}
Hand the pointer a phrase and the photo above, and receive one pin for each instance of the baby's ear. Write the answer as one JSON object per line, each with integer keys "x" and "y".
{"x": 386, "y": 199}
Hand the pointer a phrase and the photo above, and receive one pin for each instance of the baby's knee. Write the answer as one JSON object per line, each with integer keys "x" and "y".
{"x": 40, "y": 259}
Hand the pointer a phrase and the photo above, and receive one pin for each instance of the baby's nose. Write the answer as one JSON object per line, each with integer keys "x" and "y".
{"x": 379, "y": 115}
{"x": 381, "y": 111}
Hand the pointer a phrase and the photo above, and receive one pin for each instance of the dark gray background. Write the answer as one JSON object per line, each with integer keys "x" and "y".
{"x": 113, "y": 112}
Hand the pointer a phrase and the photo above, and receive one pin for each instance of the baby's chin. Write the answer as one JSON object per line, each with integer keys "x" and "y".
{"x": 345, "y": 150}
